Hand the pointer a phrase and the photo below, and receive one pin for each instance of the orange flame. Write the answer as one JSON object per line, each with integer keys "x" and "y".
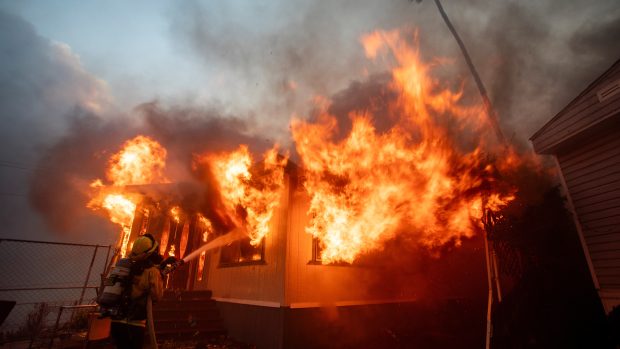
{"x": 120, "y": 208}
{"x": 175, "y": 212}
{"x": 412, "y": 179}
{"x": 121, "y": 211}
{"x": 207, "y": 228}
{"x": 140, "y": 161}
{"x": 257, "y": 195}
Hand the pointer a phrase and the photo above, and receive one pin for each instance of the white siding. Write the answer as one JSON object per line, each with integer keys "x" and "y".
{"x": 592, "y": 175}
{"x": 311, "y": 284}
{"x": 261, "y": 284}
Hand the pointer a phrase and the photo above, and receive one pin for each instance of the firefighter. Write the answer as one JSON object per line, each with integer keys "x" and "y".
{"x": 129, "y": 328}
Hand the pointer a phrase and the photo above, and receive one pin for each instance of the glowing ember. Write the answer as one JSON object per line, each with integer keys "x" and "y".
{"x": 175, "y": 215}
{"x": 413, "y": 179}
{"x": 175, "y": 212}
{"x": 184, "y": 239}
{"x": 207, "y": 228}
{"x": 256, "y": 195}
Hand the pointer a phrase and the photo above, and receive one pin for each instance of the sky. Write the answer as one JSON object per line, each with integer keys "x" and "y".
{"x": 70, "y": 69}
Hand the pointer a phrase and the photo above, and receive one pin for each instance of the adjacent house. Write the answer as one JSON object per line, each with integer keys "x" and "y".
{"x": 584, "y": 139}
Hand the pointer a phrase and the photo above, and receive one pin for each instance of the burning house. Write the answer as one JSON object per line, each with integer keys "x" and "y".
{"x": 584, "y": 139}
{"x": 377, "y": 226}
{"x": 281, "y": 292}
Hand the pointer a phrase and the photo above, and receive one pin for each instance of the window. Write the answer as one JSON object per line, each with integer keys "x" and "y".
{"x": 316, "y": 251}
{"x": 316, "y": 255}
{"x": 242, "y": 252}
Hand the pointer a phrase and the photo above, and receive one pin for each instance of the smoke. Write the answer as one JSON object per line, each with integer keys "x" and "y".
{"x": 277, "y": 56}
{"x": 512, "y": 55}
{"x": 59, "y": 191}
{"x": 533, "y": 58}
{"x": 267, "y": 62}
{"x": 41, "y": 83}
{"x": 185, "y": 131}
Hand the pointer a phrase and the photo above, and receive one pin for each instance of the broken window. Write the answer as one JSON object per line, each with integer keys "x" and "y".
{"x": 316, "y": 251}
{"x": 242, "y": 252}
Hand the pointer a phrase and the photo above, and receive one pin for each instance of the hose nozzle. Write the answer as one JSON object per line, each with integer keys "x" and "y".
{"x": 170, "y": 267}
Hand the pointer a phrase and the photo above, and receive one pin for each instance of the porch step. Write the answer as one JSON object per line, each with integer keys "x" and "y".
{"x": 187, "y": 315}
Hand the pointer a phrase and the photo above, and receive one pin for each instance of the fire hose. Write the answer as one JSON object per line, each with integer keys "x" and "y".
{"x": 112, "y": 287}
{"x": 149, "y": 322}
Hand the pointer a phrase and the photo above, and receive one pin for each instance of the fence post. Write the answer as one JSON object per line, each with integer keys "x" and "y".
{"x": 92, "y": 261}
{"x": 60, "y": 309}
{"x": 107, "y": 257}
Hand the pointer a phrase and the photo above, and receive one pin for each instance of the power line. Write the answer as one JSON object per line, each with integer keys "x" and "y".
{"x": 15, "y": 165}
{"x": 13, "y": 194}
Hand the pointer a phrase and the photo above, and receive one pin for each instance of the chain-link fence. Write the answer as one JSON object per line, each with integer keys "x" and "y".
{"x": 41, "y": 277}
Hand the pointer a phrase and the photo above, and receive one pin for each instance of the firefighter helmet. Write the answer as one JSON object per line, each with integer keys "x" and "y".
{"x": 144, "y": 246}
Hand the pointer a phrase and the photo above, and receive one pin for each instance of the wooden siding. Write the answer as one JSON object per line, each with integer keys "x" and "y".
{"x": 311, "y": 285}
{"x": 592, "y": 175}
{"x": 254, "y": 284}
{"x": 582, "y": 113}
{"x": 290, "y": 279}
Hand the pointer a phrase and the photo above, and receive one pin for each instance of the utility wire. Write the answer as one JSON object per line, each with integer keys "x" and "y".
{"x": 13, "y": 194}
{"x": 15, "y": 165}
{"x": 488, "y": 106}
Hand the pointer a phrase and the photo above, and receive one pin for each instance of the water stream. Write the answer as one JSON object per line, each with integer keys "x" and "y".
{"x": 233, "y": 235}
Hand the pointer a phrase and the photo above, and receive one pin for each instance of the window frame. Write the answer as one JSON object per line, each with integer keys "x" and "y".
{"x": 316, "y": 256}
{"x": 240, "y": 263}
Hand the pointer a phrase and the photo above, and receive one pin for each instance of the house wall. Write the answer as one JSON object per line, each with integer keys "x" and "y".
{"x": 258, "y": 284}
{"x": 312, "y": 285}
{"x": 288, "y": 278}
{"x": 259, "y": 325}
{"x": 592, "y": 177}
{"x": 290, "y": 302}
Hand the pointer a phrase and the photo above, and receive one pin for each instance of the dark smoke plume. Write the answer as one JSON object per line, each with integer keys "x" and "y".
{"x": 533, "y": 58}
{"x": 42, "y": 83}
{"x": 59, "y": 192}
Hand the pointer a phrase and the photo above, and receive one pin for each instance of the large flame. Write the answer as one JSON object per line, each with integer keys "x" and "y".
{"x": 120, "y": 208}
{"x": 431, "y": 175}
{"x": 412, "y": 179}
{"x": 141, "y": 160}
{"x": 249, "y": 198}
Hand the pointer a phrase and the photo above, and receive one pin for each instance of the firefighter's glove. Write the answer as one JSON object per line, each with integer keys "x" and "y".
{"x": 167, "y": 262}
